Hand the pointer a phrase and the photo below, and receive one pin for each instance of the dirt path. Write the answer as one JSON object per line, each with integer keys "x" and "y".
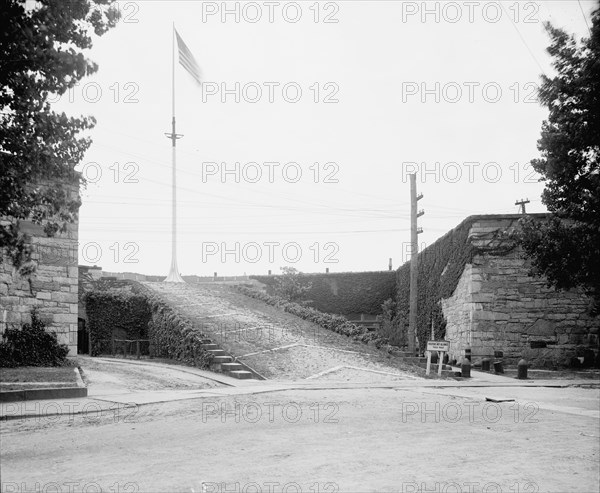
{"x": 109, "y": 377}
{"x": 279, "y": 345}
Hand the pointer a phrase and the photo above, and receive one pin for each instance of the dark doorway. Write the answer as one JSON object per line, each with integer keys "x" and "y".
{"x": 83, "y": 337}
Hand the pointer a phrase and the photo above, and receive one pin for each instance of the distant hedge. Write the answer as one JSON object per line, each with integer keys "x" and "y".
{"x": 335, "y": 323}
{"x": 346, "y": 293}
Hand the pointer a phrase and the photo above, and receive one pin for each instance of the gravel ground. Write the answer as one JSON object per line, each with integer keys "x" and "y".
{"x": 276, "y": 344}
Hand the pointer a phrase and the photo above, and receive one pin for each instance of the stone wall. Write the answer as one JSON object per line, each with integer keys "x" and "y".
{"x": 52, "y": 289}
{"x": 498, "y": 306}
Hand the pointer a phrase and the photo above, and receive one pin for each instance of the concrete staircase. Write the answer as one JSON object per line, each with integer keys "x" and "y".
{"x": 225, "y": 363}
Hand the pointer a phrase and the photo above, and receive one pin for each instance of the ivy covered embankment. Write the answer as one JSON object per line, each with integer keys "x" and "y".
{"x": 139, "y": 313}
{"x": 440, "y": 267}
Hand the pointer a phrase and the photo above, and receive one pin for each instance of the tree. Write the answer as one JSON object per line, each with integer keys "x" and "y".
{"x": 291, "y": 285}
{"x": 566, "y": 248}
{"x": 41, "y": 56}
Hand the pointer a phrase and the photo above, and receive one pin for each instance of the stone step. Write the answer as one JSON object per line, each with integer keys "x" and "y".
{"x": 226, "y": 367}
{"x": 241, "y": 374}
{"x": 210, "y": 346}
{"x": 217, "y": 360}
{"x": 217, "y": 352}
{"x": 205, "y": 341}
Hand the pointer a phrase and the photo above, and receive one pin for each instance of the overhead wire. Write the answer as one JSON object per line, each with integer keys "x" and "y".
{"x": 522, "y": 39}
{"x": 584, "y": 18}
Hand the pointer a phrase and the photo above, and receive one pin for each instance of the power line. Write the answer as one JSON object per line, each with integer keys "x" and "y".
{"x": 522, "y": 39}
{"x": 584, "y": 18}
{"x": 241, "y": 202}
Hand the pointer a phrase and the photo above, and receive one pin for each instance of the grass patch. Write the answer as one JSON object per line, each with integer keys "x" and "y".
{"x": 11, "y": 377}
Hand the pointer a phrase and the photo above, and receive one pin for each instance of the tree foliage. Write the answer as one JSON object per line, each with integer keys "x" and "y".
{"x": 40, "y": 57}
{"x": 566, "y": 249}
{"x": 291, "y": 285}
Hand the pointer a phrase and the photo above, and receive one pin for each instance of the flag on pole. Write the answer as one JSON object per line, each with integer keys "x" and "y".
{"x": 187, "y": 60}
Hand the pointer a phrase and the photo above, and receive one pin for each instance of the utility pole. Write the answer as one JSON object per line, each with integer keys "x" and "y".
{"x": 522, "y": 204}
{"x": 414, "y": 250}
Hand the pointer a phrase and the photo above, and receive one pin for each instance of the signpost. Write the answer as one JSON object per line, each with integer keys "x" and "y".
{"x": 441, "y": 347}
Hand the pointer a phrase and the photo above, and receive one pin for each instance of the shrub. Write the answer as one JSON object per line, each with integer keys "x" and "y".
{"x": 31, "y": 345}
{"x": 335, "y": 323}
{"x": 391, "y": 326}
{"x": 291, "y": 285}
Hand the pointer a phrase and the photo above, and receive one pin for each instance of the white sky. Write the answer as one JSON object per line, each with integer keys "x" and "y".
{"x": 377, "y": 59}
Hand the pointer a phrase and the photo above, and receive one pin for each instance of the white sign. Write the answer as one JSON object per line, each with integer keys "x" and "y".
{"x": 438, "y": 346}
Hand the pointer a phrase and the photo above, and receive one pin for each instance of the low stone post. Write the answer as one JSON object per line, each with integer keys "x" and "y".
{"x": 522, "y": 370}
{"x": 485, "y": 364}
{"x": 498, "y": 355}
{"x": 465, "y": 368}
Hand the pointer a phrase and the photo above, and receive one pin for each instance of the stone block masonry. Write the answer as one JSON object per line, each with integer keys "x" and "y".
{"x": 52, "y": 289}
{"x": 497, "y": 306}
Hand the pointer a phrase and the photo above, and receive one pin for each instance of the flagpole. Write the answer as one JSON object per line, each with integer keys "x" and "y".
{"x": 173, "y": 271}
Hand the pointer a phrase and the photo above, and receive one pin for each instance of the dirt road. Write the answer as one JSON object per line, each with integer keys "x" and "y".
{"x": 355, "y": 440}
{"x": 112, "y": 376}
